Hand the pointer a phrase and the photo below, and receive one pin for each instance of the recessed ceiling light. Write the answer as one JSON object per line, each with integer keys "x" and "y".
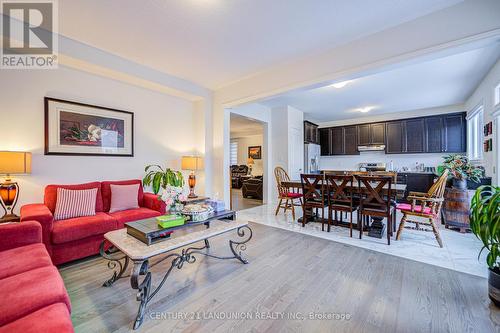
{"x": 365, "y": 109}
{"x": 342, "y": 84}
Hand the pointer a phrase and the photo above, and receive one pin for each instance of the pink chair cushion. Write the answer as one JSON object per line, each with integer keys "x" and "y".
{"x": 75, "y": 203}
{"x": 407, "y": 207}
{"x": 50, "y": 197}
{"x": 294, "y": 195}
{"x": 106, "y": 192}
{"x": 124, "y": 197}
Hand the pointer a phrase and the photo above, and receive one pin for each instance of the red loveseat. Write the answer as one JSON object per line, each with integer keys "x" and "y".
{"x": 80, "y": 237}
{"x": 34, "y": 298}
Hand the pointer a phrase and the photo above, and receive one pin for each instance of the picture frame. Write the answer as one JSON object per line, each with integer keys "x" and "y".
{"x": 255, "y": 152}
{"x": 79, "y": 129}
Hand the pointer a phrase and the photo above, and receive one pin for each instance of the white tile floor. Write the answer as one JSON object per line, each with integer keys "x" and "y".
{"x": 459, "y": 253}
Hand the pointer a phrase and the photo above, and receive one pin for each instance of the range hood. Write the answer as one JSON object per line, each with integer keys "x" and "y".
{"x": 371, "y": 148}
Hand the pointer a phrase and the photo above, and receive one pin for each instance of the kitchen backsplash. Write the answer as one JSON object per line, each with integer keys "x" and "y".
{"x": 399, "y": 160}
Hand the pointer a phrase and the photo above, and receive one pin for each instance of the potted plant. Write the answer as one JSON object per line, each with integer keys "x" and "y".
{"x": 169, "y": 182}
{"x": 461, "y": 169}
{"x": 485, "y": 224}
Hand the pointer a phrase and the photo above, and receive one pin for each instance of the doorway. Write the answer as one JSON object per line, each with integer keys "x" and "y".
{"x": 246, "y": 160}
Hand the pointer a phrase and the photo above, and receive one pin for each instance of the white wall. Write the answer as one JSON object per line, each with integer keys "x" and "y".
{"x": 247, "y": 141}
{"x": 351, "y": 162}
{"x": 484, "y": 94}
{"x": 164, "y": 127}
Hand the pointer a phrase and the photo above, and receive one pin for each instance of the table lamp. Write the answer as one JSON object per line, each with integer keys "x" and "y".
{"x": 12, "y": 162}
{"x": 250, "y": 163}
{"x": 192, "y": 163}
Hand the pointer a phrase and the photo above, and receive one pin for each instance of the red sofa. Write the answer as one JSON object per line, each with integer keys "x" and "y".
{"x": 34, "y": 298}
{"x": 76, "y": 238}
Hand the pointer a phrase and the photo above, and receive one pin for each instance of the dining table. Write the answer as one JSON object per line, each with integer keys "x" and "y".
{"x": 376, "y": 228}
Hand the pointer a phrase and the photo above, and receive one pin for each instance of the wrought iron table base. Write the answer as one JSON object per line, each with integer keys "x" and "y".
{"x": 119, "y": 261}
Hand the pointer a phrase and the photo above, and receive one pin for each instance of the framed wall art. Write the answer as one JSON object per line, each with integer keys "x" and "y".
{"x": 73, "y": 128}
{"x": 255, "y": 152}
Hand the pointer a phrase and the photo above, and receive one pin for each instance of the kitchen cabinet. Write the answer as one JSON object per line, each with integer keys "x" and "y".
{"x": 351, "y": 140}
{"x": 433, "y": 134}
{"x": 311, "y": 134}
{"x": 377, "y": 134}
{"x": 338, "y": 139}
{"x": 364, "y": 134}
{"x": 371, "y": 134}
{"x": 415, "y": 182}
{"x": 325, "y": 141}
{"x": 395, "y": 137}
{"x": 454, "y": 133}
{"x": 415, "y": 135}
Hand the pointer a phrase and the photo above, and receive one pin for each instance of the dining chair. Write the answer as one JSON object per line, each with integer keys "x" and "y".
{"x": 340, "y": 199}
{"x": 424, "y": 206}
{"x": 375, "y": 201}
{"x": 285, "y": 193}
{"x": 313, "y": 191}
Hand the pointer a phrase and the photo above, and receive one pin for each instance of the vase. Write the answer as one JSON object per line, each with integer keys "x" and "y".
{"x": 494, "y": 286}
{"x": 459, "y": 184}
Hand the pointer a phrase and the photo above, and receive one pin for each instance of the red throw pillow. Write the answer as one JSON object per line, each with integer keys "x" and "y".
{"x": 75, "y": 203}
{"x": 124, "y": 197}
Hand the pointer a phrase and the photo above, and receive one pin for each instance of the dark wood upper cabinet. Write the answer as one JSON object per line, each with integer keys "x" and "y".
{"x": 311, "y": 134}
{"x": 351, "y": 140}
{"x": 433, "y": 134}
{"x": 377, "y": 134}
{"x": 415, "y": 135}
{"x": 364, "y": 134}
{"x": 325, "y": 141}
{"x": 395, "y": 137}
{"x": 454, "y": 133}
{"x": 337, "y": 147}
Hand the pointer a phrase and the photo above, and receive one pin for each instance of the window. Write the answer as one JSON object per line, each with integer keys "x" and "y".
{"x": 233, "y": 153}
{"x": 475, "y": 134}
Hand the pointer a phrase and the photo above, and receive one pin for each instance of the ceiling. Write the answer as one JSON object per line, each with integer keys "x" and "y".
{"x": 214, "y": 42}
{"x": 441, "y": 82}
{"x": 241, "y": 126}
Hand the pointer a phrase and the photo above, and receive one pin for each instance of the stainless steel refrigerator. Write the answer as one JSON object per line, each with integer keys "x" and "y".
{"x": 311, "y": 158}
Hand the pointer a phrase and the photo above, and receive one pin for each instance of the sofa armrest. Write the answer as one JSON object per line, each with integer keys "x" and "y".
{"x": 19, "y": 234}
{"x": 152, "y": 201}
{"x": 41, "y": 214}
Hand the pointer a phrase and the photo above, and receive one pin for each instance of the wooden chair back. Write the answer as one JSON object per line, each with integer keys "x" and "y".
{"x": 372, "y": 190}
{"x": 281, "y": 176}
{"x": 437, "y": 189}
{"x": 337, "y": 189}
{"x": 313, "y": 187}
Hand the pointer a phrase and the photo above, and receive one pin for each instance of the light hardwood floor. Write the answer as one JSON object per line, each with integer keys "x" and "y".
{"x": 239, "y": 202}
{"x": 289, "y": 273}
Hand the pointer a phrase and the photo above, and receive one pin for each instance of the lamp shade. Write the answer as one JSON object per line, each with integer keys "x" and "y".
{"x": 15, "y": 162}
{"x": 192, "y": 163}
{"x": 250, "y": 161}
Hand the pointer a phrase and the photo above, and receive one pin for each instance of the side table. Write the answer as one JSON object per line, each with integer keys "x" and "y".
{"x": 10, "y": 219}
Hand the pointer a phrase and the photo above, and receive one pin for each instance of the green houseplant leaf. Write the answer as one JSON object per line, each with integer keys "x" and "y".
{"x": 485, "y": 222}
{"x": 159, "y": 178}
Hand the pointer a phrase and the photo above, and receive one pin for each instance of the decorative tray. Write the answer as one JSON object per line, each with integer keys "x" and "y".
{"x": 197, "y": 212}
